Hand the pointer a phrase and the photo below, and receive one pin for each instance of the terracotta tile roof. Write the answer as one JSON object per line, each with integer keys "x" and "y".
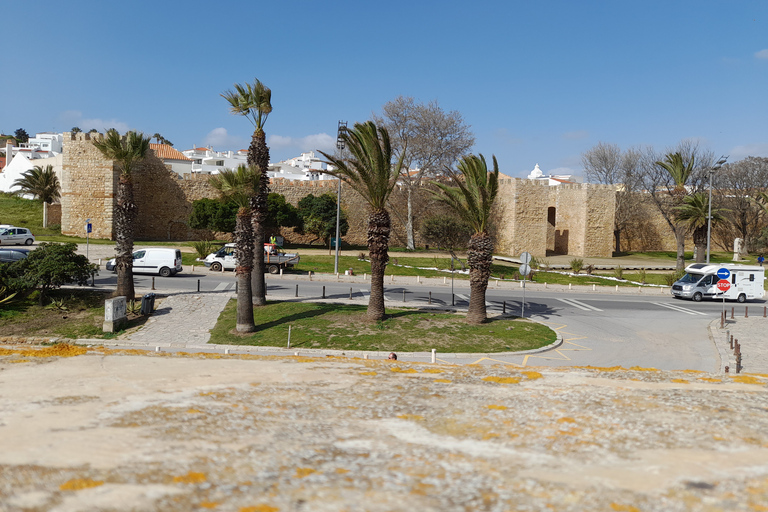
{"x": 166, "y": 152}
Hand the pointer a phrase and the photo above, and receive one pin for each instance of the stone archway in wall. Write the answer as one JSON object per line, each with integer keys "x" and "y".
{"x": 557, "y": 240}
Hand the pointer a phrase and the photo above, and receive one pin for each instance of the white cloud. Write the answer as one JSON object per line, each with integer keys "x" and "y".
{"x": 72, "y": 118}
{"x": 576, "y": 135}
{"x": 220, "y": 140}
{"x": 740, "y": 152}
{"x": 762, "y": 54}
{"x": 321, "y": 141}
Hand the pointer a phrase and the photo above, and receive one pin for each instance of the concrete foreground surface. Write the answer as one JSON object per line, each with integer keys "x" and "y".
{"x": 97, "y": 429}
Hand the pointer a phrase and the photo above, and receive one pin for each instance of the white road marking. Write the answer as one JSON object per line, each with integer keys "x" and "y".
{"x": 222, "y": 286}
{"x": 580, "y": 305}
{"x": 681, "y": 309}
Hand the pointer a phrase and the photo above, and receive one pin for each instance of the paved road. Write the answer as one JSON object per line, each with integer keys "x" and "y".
{"x": 604, "y": 327}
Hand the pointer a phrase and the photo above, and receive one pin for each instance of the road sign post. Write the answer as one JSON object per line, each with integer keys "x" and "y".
{"x": 723, "y": 285}
{"x": 525, "y": 269}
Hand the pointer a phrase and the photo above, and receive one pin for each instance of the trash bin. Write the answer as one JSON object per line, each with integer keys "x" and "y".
{"x": 148, "y": 304}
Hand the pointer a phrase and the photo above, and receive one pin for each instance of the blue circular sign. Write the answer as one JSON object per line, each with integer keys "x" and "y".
{"x": 723, "y": 273}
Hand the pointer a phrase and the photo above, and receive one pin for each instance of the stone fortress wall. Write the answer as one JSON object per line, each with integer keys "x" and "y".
{"x": 572, "y": 219}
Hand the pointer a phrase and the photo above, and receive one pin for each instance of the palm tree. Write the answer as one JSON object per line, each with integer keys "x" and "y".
{"x": 126, "y": 152}
{"x": 40, "y": 182}
{"x": 254, "y": 102}
{"x": 239, "y": 186}
{"x": 693, "y": 214}
{"x": 472, "y": 199}
{"x": 369, "y": 171}
{"x": 680, "y": 172}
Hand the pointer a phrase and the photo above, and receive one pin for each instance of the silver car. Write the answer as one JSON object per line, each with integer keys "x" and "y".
{"x": 16, "y": 236}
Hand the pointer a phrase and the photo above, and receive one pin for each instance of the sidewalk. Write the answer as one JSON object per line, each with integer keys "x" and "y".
{"x": 751, "y": 333}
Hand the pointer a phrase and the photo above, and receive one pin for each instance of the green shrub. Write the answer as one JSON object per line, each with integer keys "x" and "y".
{"x": 641, "y": 275}
{"x": 204, "y": 247}
{"x": 673, "y": 276}
{"x": 576, "y": 265}
{"x": 618, "y": 272}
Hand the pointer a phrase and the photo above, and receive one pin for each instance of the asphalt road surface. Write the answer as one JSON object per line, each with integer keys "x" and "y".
{"x": 599, "y": 329}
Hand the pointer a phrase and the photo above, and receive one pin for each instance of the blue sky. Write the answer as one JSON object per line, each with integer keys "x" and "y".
{"x": 539, "y": 82}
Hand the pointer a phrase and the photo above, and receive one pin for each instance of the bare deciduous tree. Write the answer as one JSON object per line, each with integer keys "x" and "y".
{"x": 430, "y": 139}
{"x": 608, "y": 165}
{"x": 737, "y": 187}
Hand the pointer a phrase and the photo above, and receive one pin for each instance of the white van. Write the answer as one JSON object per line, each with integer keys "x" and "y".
{"x": 700, "y": 281}
{"x": 154, "y": 260}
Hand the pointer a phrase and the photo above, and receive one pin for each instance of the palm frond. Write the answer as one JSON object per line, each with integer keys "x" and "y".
{"x": 369, "y": 169}
{"x": 474, "y": 191}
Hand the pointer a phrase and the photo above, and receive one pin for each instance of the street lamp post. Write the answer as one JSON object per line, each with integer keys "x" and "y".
{"x": 340, "y": 146}
{"x": 712, "y": 170}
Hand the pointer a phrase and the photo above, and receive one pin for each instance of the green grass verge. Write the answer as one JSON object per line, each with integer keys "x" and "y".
{"x": 343, "y": 327}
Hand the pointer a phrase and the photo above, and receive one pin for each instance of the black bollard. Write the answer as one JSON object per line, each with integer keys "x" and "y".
{"x": 297, "y": 290}
{"x": 430, "y": 297}
{"x": 323, "y": 291}
{"x": 153, "y": 283}
{"x": 504, "y": 308}
{"x": 403, "y": 295}
{"x": 350, "y": 294}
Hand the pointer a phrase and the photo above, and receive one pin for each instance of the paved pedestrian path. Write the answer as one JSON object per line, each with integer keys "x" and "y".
{"x": 181, "y": 320}
{"x": 752, "y": 334}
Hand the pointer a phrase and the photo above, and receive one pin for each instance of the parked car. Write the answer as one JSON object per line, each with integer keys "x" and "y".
{"x": 16, "y": 236}
{"x": 154, "y": 260}
{"x": 11, "y": 255}
{"x": 274, "y": 259}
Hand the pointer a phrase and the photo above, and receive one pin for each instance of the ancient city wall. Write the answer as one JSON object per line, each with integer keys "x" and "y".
{"x": 530, "y": 216}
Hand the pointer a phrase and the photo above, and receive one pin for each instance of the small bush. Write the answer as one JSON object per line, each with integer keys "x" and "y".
{"x": 618, "y": 272}
{"x": 203, "y": 247}
{"x": 576, "y": 265}
{"x": 641, "y": 275}
{"x": 674, "y": 276}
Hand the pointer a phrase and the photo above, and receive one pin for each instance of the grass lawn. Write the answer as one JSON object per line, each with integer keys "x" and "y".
{"x": 343, "y": 327}
{"x": 69, "y": 313}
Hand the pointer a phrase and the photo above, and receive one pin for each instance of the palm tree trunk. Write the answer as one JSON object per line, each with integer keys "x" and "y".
{"x": 126, "y": 213}
{"x": 479, "y": 257}
{"x": 244, "y": 253}
{"x": 258, "y": 155}
{"x": 700, "y": 241}
{"x": 379, "y": 226}
{"x": 680, "y": 239}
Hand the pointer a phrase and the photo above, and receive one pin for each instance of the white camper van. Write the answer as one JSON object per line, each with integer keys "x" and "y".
{"x": 700, "y": 282}
{"x": 165, "y": 261}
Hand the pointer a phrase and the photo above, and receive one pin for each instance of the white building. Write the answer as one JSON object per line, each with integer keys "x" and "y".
{"x": 172, "y": 157}
{"x": 552, "y": 179}
{"x": 208, "y": 161}
{"x": 41, "y": 150}
{"x": 305, "y": 167}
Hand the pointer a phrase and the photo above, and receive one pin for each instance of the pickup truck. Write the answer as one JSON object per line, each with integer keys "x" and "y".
{"x": 274, "y": 259}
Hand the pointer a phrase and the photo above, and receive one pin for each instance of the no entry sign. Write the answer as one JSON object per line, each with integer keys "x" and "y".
{"x": 723, "y": 285}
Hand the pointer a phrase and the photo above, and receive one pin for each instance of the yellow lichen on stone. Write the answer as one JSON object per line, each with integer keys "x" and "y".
{"x": 80, "y": 483}
{"x": 443, "y": 380}
{"x": 497, "y": 407}
{"x": 623, "y": 508}
{"x": 566, "y": 420}
{"x": 746, "y": 379}
{"x": 710, "y": 379}
{"x": 192, "y": 477}
{"x": 368, "y": 373}
{"x": 692, "y": 371}
{"x": 641, "y": 369}
{"x": 193, "y": 411}
{"x": 432, "y": 370}
{"x": 532, "y": 375}
{"x": 502, "y": 380}
{"x": 304, "y": 472}
{"x": 410, "y": 417}
{"x": 342, "y": 471}
{"x": 259, "y": 508}
{"x": 680, "y": 381}
{"x": 19, "y": 361}
{"x": 208, "y": 504}
{"x": 400, "y": 370}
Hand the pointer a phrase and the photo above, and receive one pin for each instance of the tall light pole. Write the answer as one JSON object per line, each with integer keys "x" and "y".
{"x": 340, "y": 145}
{"x": 712, "y": 170}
